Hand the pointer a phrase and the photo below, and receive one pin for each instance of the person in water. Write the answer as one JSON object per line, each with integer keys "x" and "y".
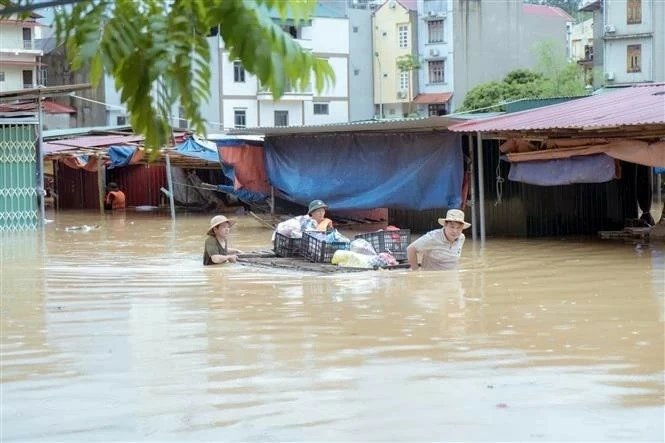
{"x": 441, "y": 248}
{"x": 115, "y": 198}
{"x": 216, "y": 250}
{"x": 317, "y": 211}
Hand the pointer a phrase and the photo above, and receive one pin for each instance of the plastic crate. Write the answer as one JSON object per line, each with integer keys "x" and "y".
{"x": 315, "y": 249}
{"x": 395, "y": 242}
{"x": 287, "y": 247}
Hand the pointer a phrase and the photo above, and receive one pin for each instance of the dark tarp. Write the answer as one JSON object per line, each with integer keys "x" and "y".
{"x": 598, "y": 168}
{"x": 365, "y": 171}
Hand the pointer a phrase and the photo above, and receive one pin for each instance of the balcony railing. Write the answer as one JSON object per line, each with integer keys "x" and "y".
{"x": 28, "y": 44}
{"x": 28, "y": 86}
{"x": 435, "y": 6}
{"x": 288, "y": 89}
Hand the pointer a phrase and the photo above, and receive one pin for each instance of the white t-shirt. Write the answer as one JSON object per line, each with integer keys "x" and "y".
{"x": 438, "y": 252}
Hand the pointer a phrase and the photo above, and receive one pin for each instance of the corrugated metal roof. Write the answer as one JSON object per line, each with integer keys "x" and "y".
{"x": 637, "y": 105}
{"x": 56, "y": 133}
{"x": 402, "y": 124}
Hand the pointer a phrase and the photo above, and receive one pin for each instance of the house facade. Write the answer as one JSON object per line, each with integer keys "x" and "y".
{"x": 239, "y": 100}
{"x": 395, "y": 35}
{"x": 629, "y": 41}
{"x": 581, "y": 48}
{"x": 19, "y": 56}
{"x": 462, "y": 44}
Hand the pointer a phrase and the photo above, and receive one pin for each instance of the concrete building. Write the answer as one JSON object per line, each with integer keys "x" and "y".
{"x": 19, "y": 57}
{"x": 629, "y": 41}
{"x": 465, "y": 43}
{"x": 395, "y": 35}
{"x": 581, "y": 48}
{"x": 239, "y": 100}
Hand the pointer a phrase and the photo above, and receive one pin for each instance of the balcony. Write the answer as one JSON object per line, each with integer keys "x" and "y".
{"x": 19, "y": 46}
{"x": 435, "y": 8}
{"x": 28, "y": 44}
{"x": 290, "y": 92}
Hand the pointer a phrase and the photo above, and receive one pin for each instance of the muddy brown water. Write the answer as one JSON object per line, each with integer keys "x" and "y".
{"x": 119, "y": 333}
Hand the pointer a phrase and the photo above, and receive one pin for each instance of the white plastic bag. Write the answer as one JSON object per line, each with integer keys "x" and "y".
{"x": 362, "y": 246}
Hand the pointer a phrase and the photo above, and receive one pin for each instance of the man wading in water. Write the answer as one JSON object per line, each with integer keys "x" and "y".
{"x": 216, "y": 250}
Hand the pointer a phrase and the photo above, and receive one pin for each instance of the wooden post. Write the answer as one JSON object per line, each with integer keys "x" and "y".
{"x": 474, "y": 225}
{"x": 481, "y": 187}
{"x": 101, "y": 182}
{"x": 169, "y": 180}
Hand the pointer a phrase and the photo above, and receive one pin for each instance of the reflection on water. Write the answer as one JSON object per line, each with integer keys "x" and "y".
{"x": 119, "y": 333}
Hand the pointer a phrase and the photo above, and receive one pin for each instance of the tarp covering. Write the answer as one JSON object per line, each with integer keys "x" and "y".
{"x": 660, "y": 170}
{"x": 85, "y": 162}
{"x": 587, "y": 169}
{"x": 192, "y": 148}
{"x": 123, "y": 156}
{"x": 249, "y": 171}
{"x": 364, "y": 171}
{"x": 634, "y": 151}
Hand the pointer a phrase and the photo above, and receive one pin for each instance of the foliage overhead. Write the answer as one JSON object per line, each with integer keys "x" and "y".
{"x": 158, "y": 54}
{"x": 408, "y": 63}
{"x": 554, "y": 77}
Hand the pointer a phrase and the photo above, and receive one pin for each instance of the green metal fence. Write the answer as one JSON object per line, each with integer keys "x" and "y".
{"x": 18, "y": 190}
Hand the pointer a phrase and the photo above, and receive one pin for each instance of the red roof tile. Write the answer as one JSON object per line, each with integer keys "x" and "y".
{"x": 431, "y": 98}
{"x": 545, "y": 10}
{"x": 637, "y": 105}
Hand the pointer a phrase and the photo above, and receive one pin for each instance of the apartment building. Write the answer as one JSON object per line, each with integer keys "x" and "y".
{"x": 19, "y": 57}
{"x": 239, "y": 100}
{"x": 629, "y": 41}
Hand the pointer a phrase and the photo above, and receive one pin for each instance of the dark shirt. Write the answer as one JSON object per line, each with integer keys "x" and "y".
{"x": 212, "y": 247}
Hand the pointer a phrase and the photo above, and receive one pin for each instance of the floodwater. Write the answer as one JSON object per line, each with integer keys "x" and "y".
{"x": 119, "y": 333}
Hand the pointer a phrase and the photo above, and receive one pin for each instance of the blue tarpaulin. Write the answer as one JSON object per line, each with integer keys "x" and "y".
{"x": 583, "y": 169}
{"x": 365, "y": 171}
{"x": 193, "y": 149}
{"x": 660, "y": 170}
{"x": 120, "y": 156}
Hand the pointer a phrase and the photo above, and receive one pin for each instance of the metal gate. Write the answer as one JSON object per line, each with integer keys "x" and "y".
{"x": 18, "y": 190}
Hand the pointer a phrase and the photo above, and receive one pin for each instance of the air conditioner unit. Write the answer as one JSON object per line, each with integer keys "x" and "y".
{"x": 610, "y": 29}
{"x": 434, "y": 52}
{"x": 401, "y": 94}
{"x": 609, "y": 76}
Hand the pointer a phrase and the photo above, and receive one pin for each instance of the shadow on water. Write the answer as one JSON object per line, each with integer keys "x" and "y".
{"x": 118, "y": 332}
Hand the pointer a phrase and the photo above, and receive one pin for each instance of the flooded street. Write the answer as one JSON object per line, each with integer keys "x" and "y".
{"x": 120, "y": 333}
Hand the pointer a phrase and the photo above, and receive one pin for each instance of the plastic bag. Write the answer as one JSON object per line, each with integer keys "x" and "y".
{"x": 290, "y": 228}
{"x": 362, "y": 246}
{"x": 349, "y": 259}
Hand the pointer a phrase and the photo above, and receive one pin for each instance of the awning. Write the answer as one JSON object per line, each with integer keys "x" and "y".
{"x": 431, "y": 98}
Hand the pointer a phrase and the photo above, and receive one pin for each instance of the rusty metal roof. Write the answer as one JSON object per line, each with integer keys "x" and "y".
{"x": 634, "y": 106}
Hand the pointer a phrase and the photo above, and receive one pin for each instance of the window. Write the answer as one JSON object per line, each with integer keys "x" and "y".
{"x": 121, "y": 120}
{"x": 404, "y": 80}
{"x": 436, "y": 72}
{"x": 182, "y": 121}
{"x": 27, "y": 80}
{"x": 436, "y": 110}
{"x": 321, "y": 109}
{"x": 42, "y": 76}
{"x": 240, "y": 118}
{"x": 435, "y": 31}
{"x": 281, "y": 118}
{"x": 2, "y": 76}
{"x": 356, "y": 71}
{"x": 291, "y": 30}
{"x": 634, "y": 12}
{"x": 634, "y": 58}
{"x": 355, "y": 29}
{"x": 403, "y": 33}
{"x": 27, "y": 38}
{"x": 238, "y": 72}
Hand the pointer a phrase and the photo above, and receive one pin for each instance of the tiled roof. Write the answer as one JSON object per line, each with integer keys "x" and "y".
{"x": 545, "y": 10}
{"x": 431, "y": 98}
{"x": 637, "y": 105}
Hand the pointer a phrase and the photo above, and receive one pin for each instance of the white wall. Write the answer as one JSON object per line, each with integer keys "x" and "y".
{"x": 338, "y": 112}
{"x": 616, "y": 58}
{"x": 229, "y": 86}
{"x": 250, "y": 106}
{"x": 267, "y": 110}
{"x": 445, "y": 49}
{"x": 617, "y": 14}
{"x": 328, "y": 35}
{"x": 340, "y": 66}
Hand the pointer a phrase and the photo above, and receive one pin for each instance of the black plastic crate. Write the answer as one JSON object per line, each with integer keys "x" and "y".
{"x": 395, "y": 242}
{"x": 286, "y": 246}
{"x": 315, "y": 249}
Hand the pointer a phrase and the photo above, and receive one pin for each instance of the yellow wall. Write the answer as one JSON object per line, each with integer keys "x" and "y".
{"x": 385, "y": 24}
